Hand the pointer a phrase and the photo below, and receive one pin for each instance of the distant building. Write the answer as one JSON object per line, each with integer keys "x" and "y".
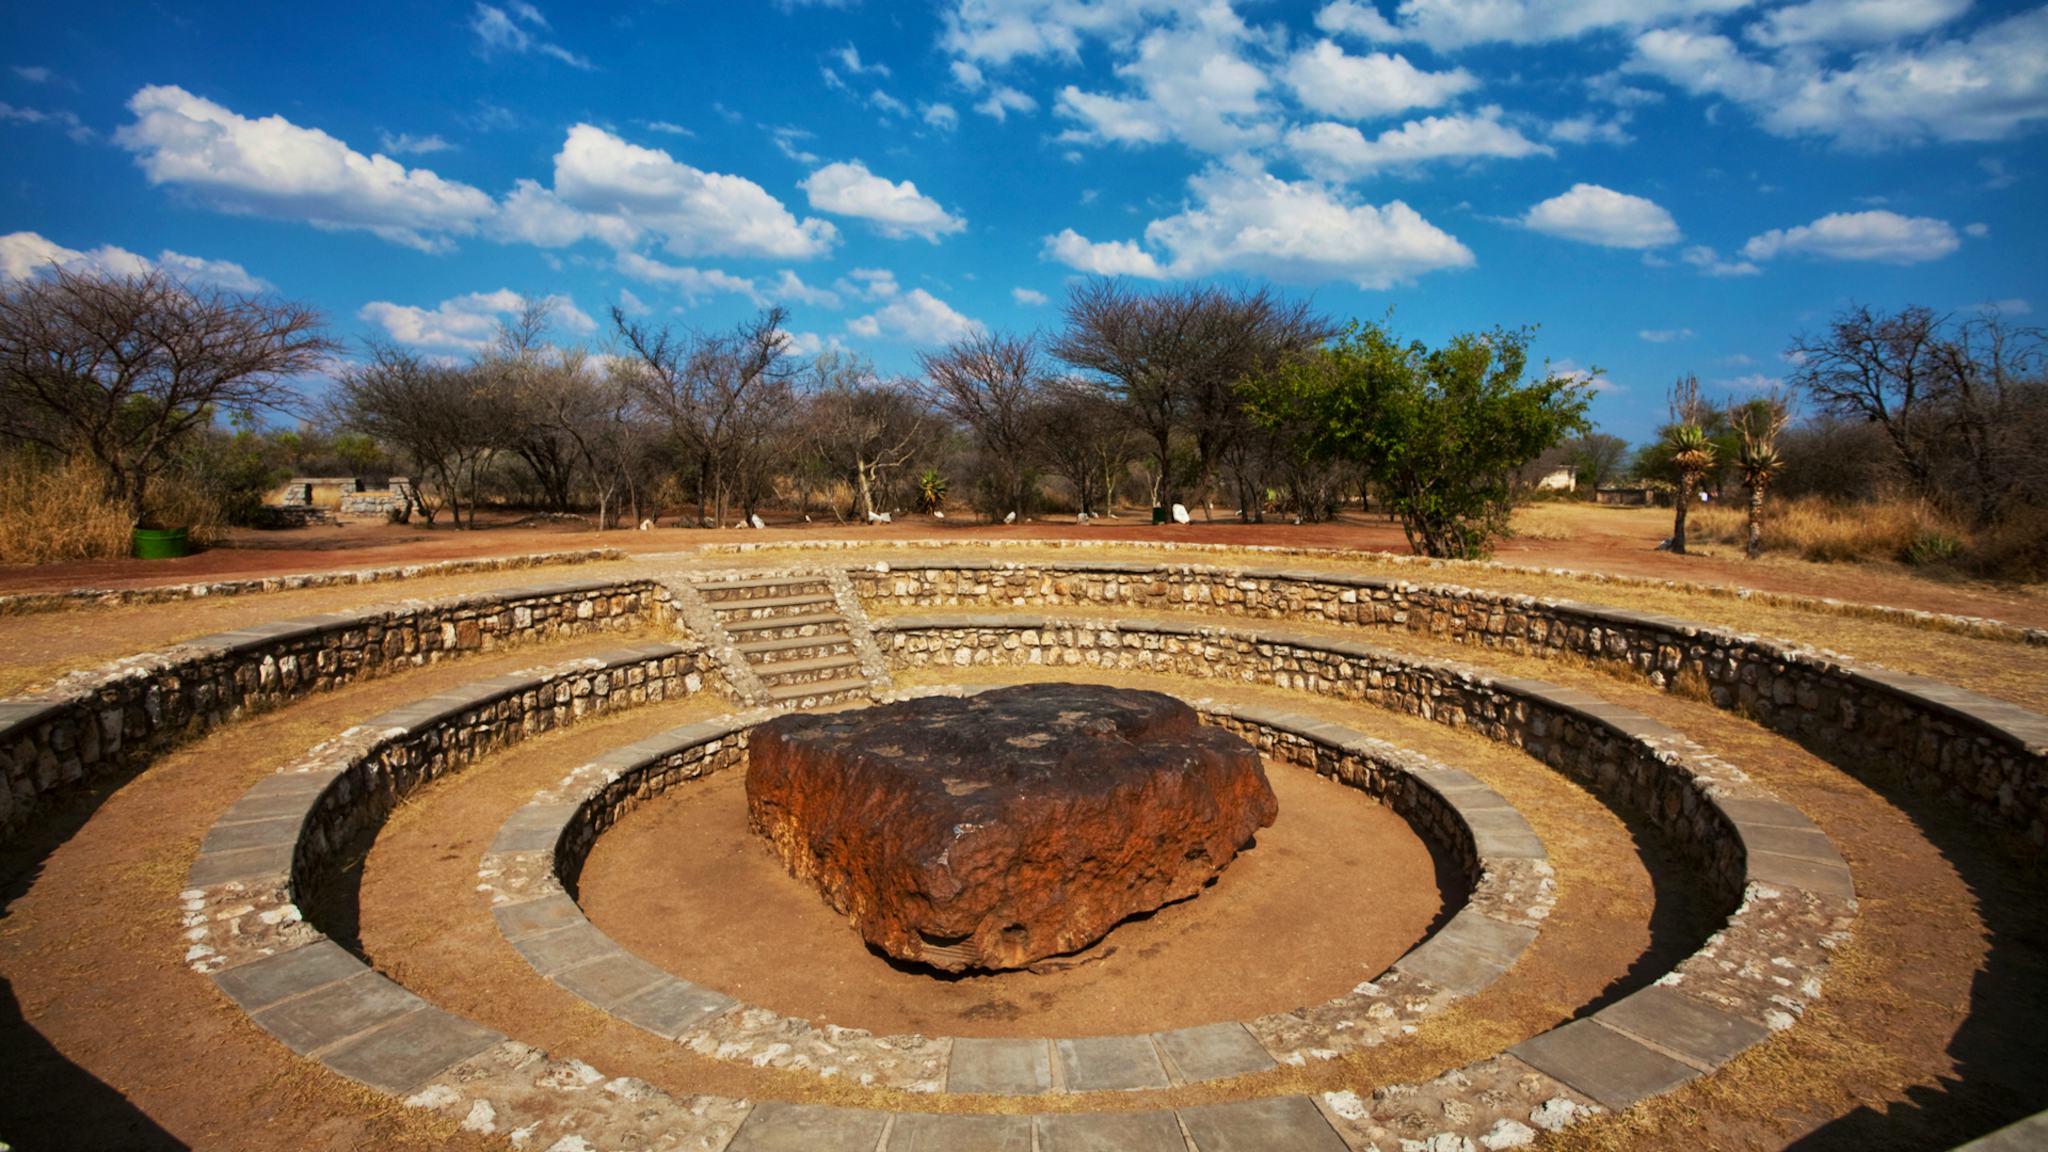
{"x": 1636, "y": 496}
{"x": 1559, "y": 480}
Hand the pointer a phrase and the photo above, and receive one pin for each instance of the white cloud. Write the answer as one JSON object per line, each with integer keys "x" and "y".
{"x": 1328, "y": 80}
{"x": 1348, "y": 18}
{"x": 918, "y": 317}
{"x": 34, "y": 73}
{"x": 272, "y": 167}
{"x": 790, "y": 286}
{"x": 1596, "y": 215}
{"x": 692, "y": 284}
{"x": 1987, "y": 86}
{"x": 1340, "y": 150}
{"x": 1854, "y": 21}
{"x": 1978, "y": 230}
{"x": 667, "y": 128}
{"x": 896, "y": 209}
{"x": 696, "y": 213}
{"x": 1029, "y": 297}
{"x": 870, "y": 283}
{"x": 1710, "y": 263}
{"x": 941, "y": 116}
{"x": 1592, "y": 129}
{"x": 849, "y": 58}
{"x": 886, "y": 103}
{"x": 62, "y": 118}
{"x": 1884, "y": 237}
{"x": 1247, "y": 220}
{"x": 1449, "y": 24}
{"x": 22, "y": 254}
{"x": 466, "y": 323}
{"x": 1102, "y": 258}
{"x": 1664, "y": 335}
{"x": 514, "y": 29}
{"x": 1000, "y": 31}
{"x": 632, "y": 305}
{"x": 534, "y": 215}
{"x": 407, "y": 144}
{"x": 2012, "y": 306}
{"x": 786, "y": 143}
{"x": 1003, "y": 100}
{"x": 1189, "y": 81}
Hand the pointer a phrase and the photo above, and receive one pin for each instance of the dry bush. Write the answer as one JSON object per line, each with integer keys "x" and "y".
{"x": 174, "y": 503}
{"x": 50, "y": 514}
{"x": 1898, "y": 529}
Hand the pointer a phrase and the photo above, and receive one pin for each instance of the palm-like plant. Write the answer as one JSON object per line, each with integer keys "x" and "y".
{"x": 1692, "y": 456}
{"x": 1758, "y": 423}
{"x": 931, "y": 491}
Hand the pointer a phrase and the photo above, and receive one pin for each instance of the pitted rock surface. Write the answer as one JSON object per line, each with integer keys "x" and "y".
{"x": 996, "y": 830}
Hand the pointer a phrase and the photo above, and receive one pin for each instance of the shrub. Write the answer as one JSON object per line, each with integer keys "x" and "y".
{"x": 51, "y": 513}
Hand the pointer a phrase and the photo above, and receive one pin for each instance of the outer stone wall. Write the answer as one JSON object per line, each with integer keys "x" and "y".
{"x": 96, "y": 723}
{"x": 1988, "y": 754}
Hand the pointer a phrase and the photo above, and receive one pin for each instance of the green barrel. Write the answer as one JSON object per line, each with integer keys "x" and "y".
{"x": 159, "y": 543}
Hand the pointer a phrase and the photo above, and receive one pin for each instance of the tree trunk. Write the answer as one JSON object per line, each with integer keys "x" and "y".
{"x": 1684, "y": 503}
{"x": 1756, "y": 521}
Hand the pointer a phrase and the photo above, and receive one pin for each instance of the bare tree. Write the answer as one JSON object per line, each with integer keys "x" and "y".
{"x": 1088, "y": 442}
{"x": 865, "y": 428}
{"x": 125, "y": 368}
{"x": 1174, "y": 359}
{"x": 1960, "y": 403}
{"x": 446, "y": 418}
{"x": 718, "y": 391}
{"x": 993, "y": 385}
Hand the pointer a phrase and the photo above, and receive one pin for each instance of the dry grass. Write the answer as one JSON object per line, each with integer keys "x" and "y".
{"x": 53, "y": 514}
{"x": 1910, "y": 531}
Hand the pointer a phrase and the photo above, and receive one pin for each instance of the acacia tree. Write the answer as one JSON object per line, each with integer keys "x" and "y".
{"x": 718, "y": 391}
{"x": 126, "y": 369}
{"x": 1087, "y": 442}
{"x": 1440, "y": 432}
{"x": 993, "y": 384}
{"x": 1961, "y": 403}
{"x": 865, "y": 429}
{"x": 1173, "y": 360}
{"x": 446, "y": 418}
{"x": 1758, "y": 422}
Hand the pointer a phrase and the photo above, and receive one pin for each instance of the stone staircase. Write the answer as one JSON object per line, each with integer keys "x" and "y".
{"x": 793, "y": 640}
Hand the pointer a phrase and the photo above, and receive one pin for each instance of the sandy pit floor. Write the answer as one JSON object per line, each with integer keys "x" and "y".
{"x": 1342, "y": 880}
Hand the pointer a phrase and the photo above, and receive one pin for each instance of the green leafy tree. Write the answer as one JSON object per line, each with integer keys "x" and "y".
{"x": 1440, "y": 432}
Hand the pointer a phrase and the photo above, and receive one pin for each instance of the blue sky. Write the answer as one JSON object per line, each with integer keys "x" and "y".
{"x": 1663, "y": 185}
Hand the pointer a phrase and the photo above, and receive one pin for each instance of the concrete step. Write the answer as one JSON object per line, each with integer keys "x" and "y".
{"x": 802, "y": 671}
{"x": 754, "y": 648}
{"x": 764, "y": 603}
{"x": 727, "y": 591}
{"x": 775, "y": 623}
{"x": 822, "y": 691}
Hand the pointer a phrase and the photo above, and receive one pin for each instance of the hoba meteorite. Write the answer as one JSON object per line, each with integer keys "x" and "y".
{"x": 995, "y": 830}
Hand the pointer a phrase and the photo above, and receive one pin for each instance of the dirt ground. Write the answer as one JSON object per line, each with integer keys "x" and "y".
{"x": 1580, "y": 537}
{"x": 685, "y": 884}
{"x": 1929, "y": 1030}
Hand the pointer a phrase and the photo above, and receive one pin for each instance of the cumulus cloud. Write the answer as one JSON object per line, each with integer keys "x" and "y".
{"x": 1349, "y": 18}
{"x": 1342, "y": 151}
{"x": 617, "y": 190}
{"x": 468, "y": 323}
{"x": 1596, "y": 215}
{"x": 1853, "y": 21}
{"x": 1188, "y": 81}
{"x": 1003, "y": 100}
{"x": 1988, "y": 85}
{"x": 407, "y": 144}
{"x": 272, "y": 167}
{"x": 62, "y": 118}
{"x": 1029, "y": 297}
{"x": 790, "y": 286}
{"x": 941, "y": 116}
{"x": 896, "y": 209}
{"x": 1244, "y": 219}
{"x": 1000, "y": 31}
{"x": 1884, "y": 237}
{"x": 693, "y": 284}
{"x": 1328, "y": 80}
{"x": 1450, "y": 24}
{"x": 917, "y": 317}
{"x": 23, "y": 254}
{"x": 1710, "y": 263}
{"x": 1664, "y": 335}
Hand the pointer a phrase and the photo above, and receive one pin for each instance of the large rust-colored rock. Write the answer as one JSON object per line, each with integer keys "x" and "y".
{"x": 999, "y": 829}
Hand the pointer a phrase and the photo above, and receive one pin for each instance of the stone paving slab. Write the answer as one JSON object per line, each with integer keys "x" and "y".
{"x": 1761, "y": 813}
{"x": 534, "y": 828}
{"x": 671, "y": 1007}
{"x": 1602, "y": 1063}
{"x": 1002, "y": 1067}
{"x": 1469, "y": 953}
{"x": 1275, "y": 1124}
{"x": 1213, "y": 1052}
{"x": 1109, "y": 1064}
{"x": 532, "y": 917}
{"x": 1831, "y": 878}
{"x": 1699, "y": 1034}
{"x": 211, "y": 868}
{"x": 411, "y": 1050}
{"x": 550, "y": 952}
{"x": 774, "y": 1126}
{"x": 260, "y": 983}
{"x": 1808, "y": 843}
{"x": 334, "y": 1012}
{"x": 1111, "y": 1132}
{"x": 610, "y": 979}
{"x": 922, "y": 1132}
{"x": 271, "y": 833}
